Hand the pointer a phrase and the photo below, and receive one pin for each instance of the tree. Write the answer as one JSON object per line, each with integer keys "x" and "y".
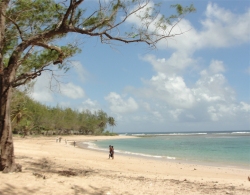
{"x": 111, "y": 122}
{"x": 30, "y": 31}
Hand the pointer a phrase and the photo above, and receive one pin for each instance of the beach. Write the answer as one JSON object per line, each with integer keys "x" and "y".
{"x": 53, "y": 168}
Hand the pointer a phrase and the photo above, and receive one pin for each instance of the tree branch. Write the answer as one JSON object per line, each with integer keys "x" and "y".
{"x": 19, "y": 30}
{"x": 25, "y": 56}
{"x": 47, "y": 46}
{"x": 25, "y": 77}
{"x": 72, "y": 6}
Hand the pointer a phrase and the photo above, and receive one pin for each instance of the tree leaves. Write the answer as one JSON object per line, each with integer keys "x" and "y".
{"x": 28, "y": 115}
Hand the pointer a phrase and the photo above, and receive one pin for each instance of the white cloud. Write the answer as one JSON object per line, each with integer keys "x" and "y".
{"x": 120, "y": 105}
{"x": 209, "y": 99}
{"x": 72, "y": 91}
{"x": 81, "y": 72}
{"x": 222, "y": 28}
{"x": 41, "y": 91}
{"x": 244, "y": 107}
{"x": 42, "y": 96}
{"x": 135, "y": 18}
{"x": 90, "y": 105}
{"x": 175, "y": 113}
{"x": 170, "y": 89}
{"x": 146, "y": 106}
{"x": 177, "y": 63}
{"x": 229, "y": 111}
{"x": 212, "y": 85}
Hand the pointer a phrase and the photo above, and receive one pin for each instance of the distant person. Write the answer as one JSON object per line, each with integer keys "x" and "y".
{"x": 110, "y": 151}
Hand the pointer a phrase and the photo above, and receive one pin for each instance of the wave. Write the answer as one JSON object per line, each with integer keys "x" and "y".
{"x": 140, "y": 134}
{"x": 92, "y": 145}
{"x": 145, "y": 155}
{"x": 187, "y": 134}
{"x": 241, "y": 132}
{"x": 165, "y": 134}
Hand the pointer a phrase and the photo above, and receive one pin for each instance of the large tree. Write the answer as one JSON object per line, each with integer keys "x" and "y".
{"x": 30, "y": 31}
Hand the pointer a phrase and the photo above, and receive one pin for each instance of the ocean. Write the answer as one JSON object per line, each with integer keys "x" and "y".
{"x": 210, "y": 148}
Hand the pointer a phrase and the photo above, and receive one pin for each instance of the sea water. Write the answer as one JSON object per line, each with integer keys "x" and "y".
{"x": 214, "y": 148}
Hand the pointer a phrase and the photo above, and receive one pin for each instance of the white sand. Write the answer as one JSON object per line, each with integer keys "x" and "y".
{"x": 51, "y": 168}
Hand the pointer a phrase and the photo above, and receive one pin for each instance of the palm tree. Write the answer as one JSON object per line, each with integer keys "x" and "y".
{"x": 102, "y": 120}
{"x": 19, "y": 113}
{"x": 27, "y": 127}
{"x": 111, "y": 122}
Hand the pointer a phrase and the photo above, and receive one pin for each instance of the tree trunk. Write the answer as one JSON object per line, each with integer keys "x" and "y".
{"x": 7, "y": 158}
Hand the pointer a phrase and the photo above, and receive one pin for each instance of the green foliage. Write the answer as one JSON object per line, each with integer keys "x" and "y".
{"x": 182, "y": 10}
{"x": 35, "y": 118}
{"x": 27, "y": 19}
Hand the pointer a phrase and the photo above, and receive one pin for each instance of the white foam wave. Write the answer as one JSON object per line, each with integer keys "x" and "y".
{"x": 187, "y": 134}
{"x": 92, "y": 145}
{"x": 221, "y": 133}
{"x": 240, "y": 132}
{"x": 139, "y": 134}
{"x": 145, "y": 155}
{"x": 166, "y": 134}
{"x": 171, "y": 158}
{"x": 138, "y": 154}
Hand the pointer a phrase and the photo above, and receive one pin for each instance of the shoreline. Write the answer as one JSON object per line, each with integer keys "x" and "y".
{"x": 146, "y": 156}
{"x": 53, "y": 168}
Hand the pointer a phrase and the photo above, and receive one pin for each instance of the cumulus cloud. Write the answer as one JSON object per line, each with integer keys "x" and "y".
{"x": 176, "y": 63}
{"x": 41, "y": 91}
{"x": 42, "y": 96}
{"x": 212, "y": 85}
{"x": 170, "y": 89}
{"x": 121, "y": 105}
{"x": 229, "y": 111}
{"x": 175, "y": 113}
{"x": 46, "y": 87}
{"x": 72, "y": 91}
{"x": 210, "y": 99}
{"x": 90, "y": 105}
{"x": 220, "y": 28}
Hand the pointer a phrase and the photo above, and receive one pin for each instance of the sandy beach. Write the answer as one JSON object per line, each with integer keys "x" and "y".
{"x": 52, "y": 168}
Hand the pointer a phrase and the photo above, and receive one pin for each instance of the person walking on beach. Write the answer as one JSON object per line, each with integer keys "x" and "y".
{"x": 110, "y": 151}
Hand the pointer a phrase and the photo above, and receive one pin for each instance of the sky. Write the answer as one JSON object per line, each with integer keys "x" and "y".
{"x": 198, "y": 81}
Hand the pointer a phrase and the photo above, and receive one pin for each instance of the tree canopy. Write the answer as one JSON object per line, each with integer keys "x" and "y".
{"x": 31, "y": 117}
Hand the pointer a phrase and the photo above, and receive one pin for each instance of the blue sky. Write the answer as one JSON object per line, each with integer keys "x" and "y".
{"x": 198, "y": 81}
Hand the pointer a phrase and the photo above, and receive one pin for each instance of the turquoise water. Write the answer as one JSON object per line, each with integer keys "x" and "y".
{"x": 229, "y": 149}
